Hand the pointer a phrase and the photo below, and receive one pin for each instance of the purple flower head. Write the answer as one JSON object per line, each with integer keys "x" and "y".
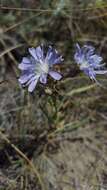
{"x": 89, "y": 62}
{"x": 38, "y": 66}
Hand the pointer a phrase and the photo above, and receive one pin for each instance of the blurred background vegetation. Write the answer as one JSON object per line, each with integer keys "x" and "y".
{"x": 55, "y": 138}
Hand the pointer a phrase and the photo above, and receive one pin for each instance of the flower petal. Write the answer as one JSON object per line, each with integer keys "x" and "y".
{"x": 78, "y": 56}
{"x": 53, "y": 57}
{"x": 32, "y": 85}
{"x": 55, "y": 75}
{"x": 32, "y": 51}
{"x": 95, "y": 60}
{"x": 23, "y": 66}
{"x": 43, "y": 78}
{"x": 24, "y": 78}
{"x": 32, "y": 79}
{"x": 58, "y": 60}
{"x": 37, "y": 53}
{"x": 88, "y": 49}
{"x": 101, "y": 72}
{"x": 26, "y": 60}
{"x": 78, "y": 48}
{"x": 91, "y": 73}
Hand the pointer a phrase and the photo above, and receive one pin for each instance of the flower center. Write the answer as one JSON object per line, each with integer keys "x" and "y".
{"x": 84, "y": 65}
{"x": 42, "y": 67}
{"x": 45, "y": 67}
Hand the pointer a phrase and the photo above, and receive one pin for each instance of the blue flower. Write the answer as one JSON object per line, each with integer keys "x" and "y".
{"x": 38, "y": 66}
{"x": 89, "y": 62}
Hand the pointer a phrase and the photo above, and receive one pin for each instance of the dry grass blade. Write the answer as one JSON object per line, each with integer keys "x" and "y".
{"x": 22, "y": 155}
{"x": 52, "y": 10}
{"x": 80, "y": 90}
{"x": 10, "y": 49}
